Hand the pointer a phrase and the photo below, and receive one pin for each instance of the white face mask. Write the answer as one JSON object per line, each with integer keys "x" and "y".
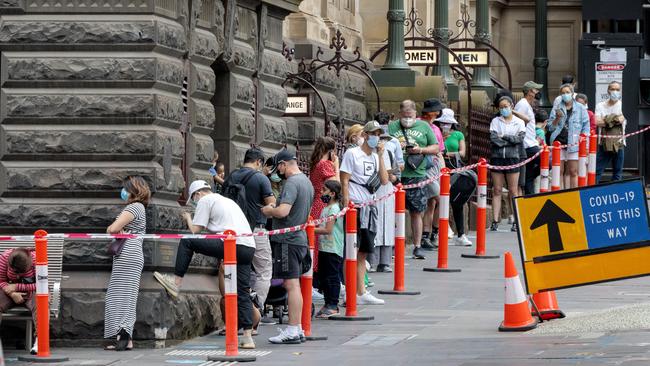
{"x": 445, "y": 127}
{"x": 360, "y": 141}
{"x": 407, "y": 122}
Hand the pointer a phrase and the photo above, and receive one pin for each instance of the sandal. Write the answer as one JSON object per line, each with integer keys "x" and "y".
{"x": 325, "y": 313}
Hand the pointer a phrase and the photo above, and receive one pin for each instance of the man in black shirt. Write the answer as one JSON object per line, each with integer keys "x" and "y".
{"x": 258, "y": 195}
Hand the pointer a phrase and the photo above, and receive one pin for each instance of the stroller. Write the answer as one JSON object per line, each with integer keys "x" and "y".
{"x": 277, "y": 301}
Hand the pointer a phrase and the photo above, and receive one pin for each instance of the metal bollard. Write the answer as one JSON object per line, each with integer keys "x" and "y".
{"x": 443, "y": 226}
{"x": 555, "y": 172}
{"x": 582, "y": 161}
{"x": 544, "y": 162}
{"x": 230, "y": 280}
{"x": 593, "y": 148}
{"x": 481, "y": 213}
{"x": 306, "y": 285}
{"x": 351, "y": 268}
{"x": 400, "y": 243}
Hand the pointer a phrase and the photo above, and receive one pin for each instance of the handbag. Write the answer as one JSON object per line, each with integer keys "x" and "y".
{"x": 413, "y": 161}
{"x": 115, "y": 246}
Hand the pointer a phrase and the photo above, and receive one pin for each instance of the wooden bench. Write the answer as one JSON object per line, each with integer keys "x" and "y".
{"x": 55, "y": 265}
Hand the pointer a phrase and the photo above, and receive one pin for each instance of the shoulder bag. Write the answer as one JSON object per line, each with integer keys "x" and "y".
{"x": 413, "y": 161}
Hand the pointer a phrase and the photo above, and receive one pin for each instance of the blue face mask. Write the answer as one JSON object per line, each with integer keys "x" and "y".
{"x": 373, "y": 141}
{"x": 275, "y": 178}
{"x": 505, "y": 112}
{"x": 567, "y": 97}
{"x": 615, "y": 95}
{"x": 124, "y": 195}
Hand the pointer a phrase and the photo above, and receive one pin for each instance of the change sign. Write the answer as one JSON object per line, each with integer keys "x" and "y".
{"x": 583, "y": 236}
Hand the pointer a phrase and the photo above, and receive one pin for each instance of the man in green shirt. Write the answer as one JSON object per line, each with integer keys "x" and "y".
{"x": 418, "y": 142}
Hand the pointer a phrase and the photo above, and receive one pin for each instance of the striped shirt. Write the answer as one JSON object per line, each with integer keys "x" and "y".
{"x": 8, "y": 276}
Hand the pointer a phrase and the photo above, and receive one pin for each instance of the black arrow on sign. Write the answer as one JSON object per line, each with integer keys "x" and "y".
{"x": 551, "y": 215}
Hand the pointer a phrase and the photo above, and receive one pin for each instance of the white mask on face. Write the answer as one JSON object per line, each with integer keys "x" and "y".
{"x": 407, "y": 122}
{"x": 446, "y": 127}
{"x": 360, "y": 141}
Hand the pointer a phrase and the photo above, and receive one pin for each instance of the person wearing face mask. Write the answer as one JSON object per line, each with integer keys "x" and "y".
{"x": 290, "y": 250}
{"x": 353, "y": 136}
{"x": 124, "y": 285}
{"x": 363, "y": 173}
{"x": 610, "y": 121}
{"x": 524, "y": 111}
{"x": 258, "y": 193}
{"x": 417, "y": 140}
{"x": 565, "y": 124}
{"x": 507, "y": 133}
{"x": 215, "y": 214}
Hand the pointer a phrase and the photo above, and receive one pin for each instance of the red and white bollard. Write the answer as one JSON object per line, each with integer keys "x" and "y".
{"x": 593, "y": 149}
{"x": 582, "y": 161}
{"x": 230, "y": 294}
{"x": 555, "y": 172}
{"x": 306, "y": 285}
{"x": 400, "y": 243}
{"x": 443, "y": 226}
{"x": 42, "y": 305}
{"x": 544, "y": 162}
{"x": 481, "y": 213}
{"x": 351, "y": 268}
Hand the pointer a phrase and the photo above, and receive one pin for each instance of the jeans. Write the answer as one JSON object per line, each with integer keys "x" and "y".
{"x": 329, "y": 280}
{"x": 214, "y": 248}
{"x": 605, "y": 158}
{"x": 382, "y": 255}
{"x": 459, "y": 217}
{"x": 532, "y": 170}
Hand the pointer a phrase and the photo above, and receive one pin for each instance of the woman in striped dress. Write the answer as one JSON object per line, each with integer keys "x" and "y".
{"x": 124, "y": 285}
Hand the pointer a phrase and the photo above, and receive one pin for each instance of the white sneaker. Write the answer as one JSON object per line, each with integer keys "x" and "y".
{"x": 369, "y": 299}
{"x": 450, "y": 232}
{"x": 34, "y": 349}
{"x": 342, "y": 292}
{"x": 285, "y": 337}
{"x": 316, "y": 296}
{"x": 462, "y": 241}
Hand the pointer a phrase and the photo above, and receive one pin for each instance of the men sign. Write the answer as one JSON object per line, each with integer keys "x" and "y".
{"x": 584, "y": 235}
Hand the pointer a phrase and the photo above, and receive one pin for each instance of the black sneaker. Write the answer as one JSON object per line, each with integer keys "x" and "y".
{"x": 426, "y": 244}
{"x": 417, "y": 253}
{"x": 494, "y": 226}
{"x": 514, "y": 228}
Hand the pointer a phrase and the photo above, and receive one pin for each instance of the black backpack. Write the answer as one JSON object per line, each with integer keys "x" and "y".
{"x": 236, "y": 191}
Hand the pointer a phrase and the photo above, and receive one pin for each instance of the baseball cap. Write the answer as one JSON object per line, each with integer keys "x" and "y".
{"x": 197, "y": 185}
{"x": 284, "y": 155}
{"x": 372, "y": 126}
{"x": 531, "y": 85}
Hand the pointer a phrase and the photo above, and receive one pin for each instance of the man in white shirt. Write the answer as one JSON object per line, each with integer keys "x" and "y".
{"x": 215, "y": 213}
{"x": 610, "y": 121}
{"x": 362, "y": 174}
{"x": 524, "y": 110}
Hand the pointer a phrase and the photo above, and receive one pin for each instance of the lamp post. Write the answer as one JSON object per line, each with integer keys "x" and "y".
{"x": 540, "y": 62}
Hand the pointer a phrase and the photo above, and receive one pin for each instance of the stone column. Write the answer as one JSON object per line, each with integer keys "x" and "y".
{"x": 482, "y": 74}
{"x": 540, "y": 62}
{"x": 441, "y": 34}
{"x": 395, "y": 72}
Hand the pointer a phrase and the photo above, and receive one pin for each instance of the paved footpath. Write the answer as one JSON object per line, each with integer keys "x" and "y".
{"x": 453, "y": 322}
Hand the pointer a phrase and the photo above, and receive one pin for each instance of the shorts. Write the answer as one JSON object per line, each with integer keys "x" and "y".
{"x": 365, "y": 238}
{"x": 564, "y": 156}
{"x": 433, "y": 188}
{"x": 504, "y": 162}
{"x": 416, "y": 198}
{"x": 288, "y": 260}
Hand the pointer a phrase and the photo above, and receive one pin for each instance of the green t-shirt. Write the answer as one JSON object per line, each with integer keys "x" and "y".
{"x": 452, "y": 142}
{"x": 540, "y": 133}
{"x": 421, "y": 135}
{"x": 332, "y": 243}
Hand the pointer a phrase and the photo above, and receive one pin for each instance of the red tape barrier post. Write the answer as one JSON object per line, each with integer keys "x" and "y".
{"x": 42, "y": 305}
{"x": 306, "y": 285}
{"x": 544, "y": 162}
{"x": 400, "y": 243}
{"x": 481, "y": 213}
{"x": 230, "y": 281}
{"x": 555, "y": 172}
{"x": 443, "y": 226}
{"x": 593, "y": 149}
{"x": 582, "y": 161}
{"x": 351, "y": 268}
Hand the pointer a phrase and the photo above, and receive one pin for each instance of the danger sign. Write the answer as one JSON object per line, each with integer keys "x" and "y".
{"x": 610, "y": 67}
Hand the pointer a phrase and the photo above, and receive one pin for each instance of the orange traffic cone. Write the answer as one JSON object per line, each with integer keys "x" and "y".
{"x": 516, "y": 313}
{"x": 546, "y": 303}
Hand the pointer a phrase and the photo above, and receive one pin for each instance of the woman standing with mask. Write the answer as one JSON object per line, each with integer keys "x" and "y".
{"x": 353, "y": 136}
{"x": 565, "y": 124}
{"x": 124, "y": 285}
{"x": 507, "y": 134}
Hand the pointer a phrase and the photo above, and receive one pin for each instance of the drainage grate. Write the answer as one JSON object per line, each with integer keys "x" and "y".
{"x": 379, "y": 340}
{"x": 214, "y": 353}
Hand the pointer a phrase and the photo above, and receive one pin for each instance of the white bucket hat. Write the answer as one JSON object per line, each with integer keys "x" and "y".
{"x": 447, "y": 116}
